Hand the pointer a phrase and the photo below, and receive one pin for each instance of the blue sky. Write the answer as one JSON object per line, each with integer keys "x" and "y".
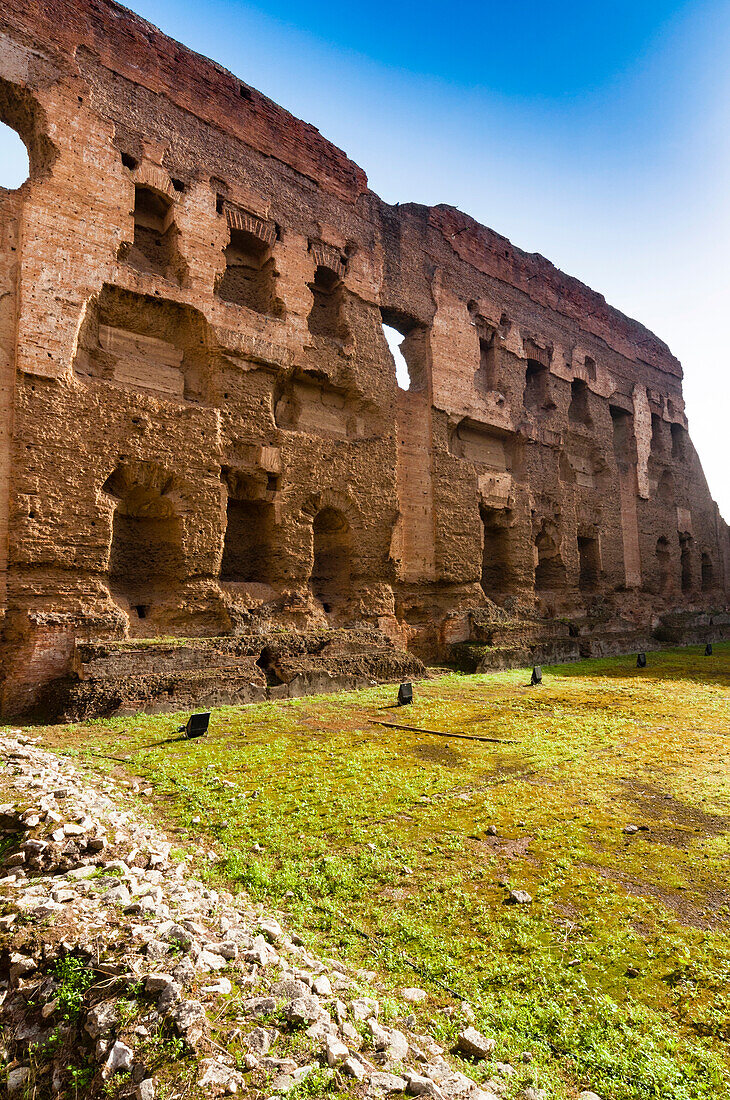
{"x": 595, "y": 134}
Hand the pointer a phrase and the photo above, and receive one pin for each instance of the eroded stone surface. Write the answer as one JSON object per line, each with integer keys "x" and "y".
{"x": 208, "y": 439}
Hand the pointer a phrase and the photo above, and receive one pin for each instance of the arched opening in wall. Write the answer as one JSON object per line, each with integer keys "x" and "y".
{"x": 248, "y": 541}
{"x": 685, "y": 555}
{"x": 537, "y": 386}
{"x": 590, "y": 368}
{"x": 496, "y": 553}
{"x": 394, "y": 341}
{"x": 549, "y": 568}
{"x": 14, "y": 160}
{"x": 679, "y": 442}
{"x": 579, "y": 411}
{"x": 331, "y": 570}
{"x": 25, "y": 149}
{"x": 327, "y": 315}
{"x": 590, "y": 563}
{"x": 708, "y": 572}
{"x": 665, "y": 488}
{"x": 250, "y": 276}
{"x": 664, "y": 565}
{"x": 407, "y": 342}
{"x": 155, "y": 246}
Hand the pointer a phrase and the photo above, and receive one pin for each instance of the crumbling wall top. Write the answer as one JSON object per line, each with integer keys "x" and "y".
{"x": 547, "y": 285}
{"x": 130, "y": 46}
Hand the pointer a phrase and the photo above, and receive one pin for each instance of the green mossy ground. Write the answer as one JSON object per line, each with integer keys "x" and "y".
{"x": 374, "y": 842}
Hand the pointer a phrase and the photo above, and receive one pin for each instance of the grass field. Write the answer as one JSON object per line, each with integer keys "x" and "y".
{"x": 375, "y": 841}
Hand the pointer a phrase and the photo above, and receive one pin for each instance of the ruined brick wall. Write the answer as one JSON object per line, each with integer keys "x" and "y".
{"x": 201, "y": 429}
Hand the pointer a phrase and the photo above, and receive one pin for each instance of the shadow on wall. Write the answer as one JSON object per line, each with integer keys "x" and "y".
{"x": 155, "y": 248}
{"x": 250, "y": 276}
{"x": 145, "y": 557}
{"x": 550, "y": 569}
{"x": 497, "y": 573}
{"x": 332, "y": 566}
{"x": 327, "y": 315}
{"x": 248, "y": 545}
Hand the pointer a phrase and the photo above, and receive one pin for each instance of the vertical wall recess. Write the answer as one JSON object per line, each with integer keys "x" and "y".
{"x": 331, "y": 559}
{"x": 145, "y": 551}
{"x": 497, "y": 564}
{"x": 414, "y": 548}
{"x": 9, "y": 229}
{"x": 250, "y": 276}
{"x": 624, "y": 449}
{"x": 550, "y": 572}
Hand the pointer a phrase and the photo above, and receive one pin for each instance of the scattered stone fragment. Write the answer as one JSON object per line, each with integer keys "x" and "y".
{"x": 19, "y": 965}
{"x": 271, "y": 929}
{"x": 504, "y": 1069}
{"x": 631, "y": 829}
{"x": 472, "y": 1043}
{"x": 335, "y": 1050}
{"x": 259, "y": 1040}
{"x": 303, "y": 1011}
{"x": 519, "y": 897}
{"x": 211, "y": 960}
{"x": 189, "y": 1018}
{"x": 260, "y": 1006}
{"x": 15, "y": 1081}
{"x": 101, "y": 1019}
{"x": 118, "y": 894}
{"x": 414, "y": 996}
{"x": 531, "y": 1092}
{"x": 353, "y": 1067}
{"x": 290, "y": 988}
{"x": 588, "y": 1095}
{"x": 158, "y": 983}
{"x": 322, "y": 986}
{"x": 364, "y": 1007}
{"x": 379, "y": 1035}
{"x": 218, "y": 1078}
{"x": 422, "y": 1086}
{"x": 145, "y": 1090}
{"x": 222, "y": 987}
{"x": 180, "y": 936}
{"x": 387, "y": 1082}
{"x": 119, "y": 1059}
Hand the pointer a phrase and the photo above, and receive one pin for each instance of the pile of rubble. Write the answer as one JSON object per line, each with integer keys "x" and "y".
{"x": 122, "y": 976}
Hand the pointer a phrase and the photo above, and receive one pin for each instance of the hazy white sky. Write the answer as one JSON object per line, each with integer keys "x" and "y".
{"x": 596, "y": 135}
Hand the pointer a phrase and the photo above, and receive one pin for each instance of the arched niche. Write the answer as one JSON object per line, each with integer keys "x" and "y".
{"x": 549, "y": 565}
{"x": 331, "y": 578}
{"x": 145, "y": 552}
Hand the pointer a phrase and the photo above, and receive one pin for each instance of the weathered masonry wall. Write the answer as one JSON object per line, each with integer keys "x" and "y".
{"x": 201, "y": 433}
